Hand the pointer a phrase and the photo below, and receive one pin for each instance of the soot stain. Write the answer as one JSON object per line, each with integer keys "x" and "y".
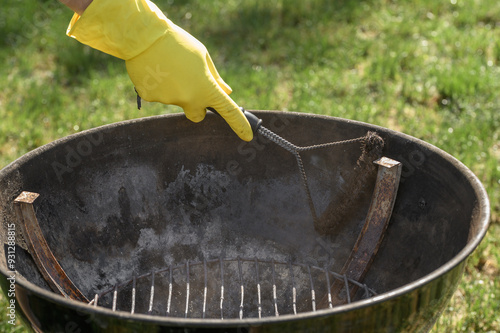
{"x": 118, "y": 231}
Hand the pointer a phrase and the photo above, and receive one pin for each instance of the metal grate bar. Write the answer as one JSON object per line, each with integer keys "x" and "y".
{"x": 313, "y": 293}
{"x": 346, "y": 284}
{"x": 169, "y": 302}
{"x": 367, "y": 291}
{"x": 187, "y": 290}
{"x": 205, "y": 289}
{"x": 294, "y": 289}
{"x": 259, "y": 298}
{"x": 275, "y": 297}
{"x": 221, "y": 289}
{"x": 115, "y": 296}
{"x": 242, "y": 287}
{"x": 152, "y": 292}
{"x": 134, "y": 284}
{"x": 327, "y": 275}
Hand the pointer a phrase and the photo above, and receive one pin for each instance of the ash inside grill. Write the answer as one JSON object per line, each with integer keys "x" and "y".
{"x": 271, "y": 287}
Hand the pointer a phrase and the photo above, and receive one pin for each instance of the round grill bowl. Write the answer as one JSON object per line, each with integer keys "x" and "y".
{"x": 137, "y": 196}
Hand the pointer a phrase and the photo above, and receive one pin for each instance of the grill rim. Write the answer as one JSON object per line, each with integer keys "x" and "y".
{"x": 481, "y": 226}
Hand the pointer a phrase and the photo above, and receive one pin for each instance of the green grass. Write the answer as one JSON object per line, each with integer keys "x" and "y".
{"x": 426, "y": 68}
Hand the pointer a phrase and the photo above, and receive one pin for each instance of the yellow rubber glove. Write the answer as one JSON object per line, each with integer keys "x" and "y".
{"x": 165, "y": 63}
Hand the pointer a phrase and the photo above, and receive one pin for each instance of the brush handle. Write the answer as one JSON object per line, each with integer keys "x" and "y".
{"x": 254, "y": 121}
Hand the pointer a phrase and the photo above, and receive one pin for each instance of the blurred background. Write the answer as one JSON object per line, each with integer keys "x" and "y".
{"x": 426, "y": 68}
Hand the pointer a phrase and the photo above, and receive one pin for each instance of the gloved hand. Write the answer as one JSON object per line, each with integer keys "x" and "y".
{"x": 165, "y": 63}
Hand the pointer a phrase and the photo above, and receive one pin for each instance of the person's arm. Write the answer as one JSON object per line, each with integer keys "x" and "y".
{"x": 78, "y": 6}
{"x": 165, "y": 63}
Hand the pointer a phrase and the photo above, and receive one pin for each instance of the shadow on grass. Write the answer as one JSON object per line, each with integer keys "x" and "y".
{"x": 38, "y": 27}
{"x": 280, "y": 31}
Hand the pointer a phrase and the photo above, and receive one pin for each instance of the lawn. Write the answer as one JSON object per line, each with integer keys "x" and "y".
{"x": 426, "y": 68}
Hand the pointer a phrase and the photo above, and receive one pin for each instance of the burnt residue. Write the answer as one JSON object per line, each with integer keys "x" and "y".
{"x": 119, "y": 231}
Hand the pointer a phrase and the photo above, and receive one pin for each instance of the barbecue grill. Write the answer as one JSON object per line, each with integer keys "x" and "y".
{"x": 318, "y": 224}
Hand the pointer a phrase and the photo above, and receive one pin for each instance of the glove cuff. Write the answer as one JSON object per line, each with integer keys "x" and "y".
{"x": 122, "y": 28}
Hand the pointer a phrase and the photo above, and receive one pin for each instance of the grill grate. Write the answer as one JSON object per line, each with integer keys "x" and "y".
{"x": 229, "y": 288}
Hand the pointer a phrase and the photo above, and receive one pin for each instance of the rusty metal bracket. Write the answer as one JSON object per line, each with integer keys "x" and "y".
{"x": 40, "y": 251}
{"x": 372, "y": 234}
